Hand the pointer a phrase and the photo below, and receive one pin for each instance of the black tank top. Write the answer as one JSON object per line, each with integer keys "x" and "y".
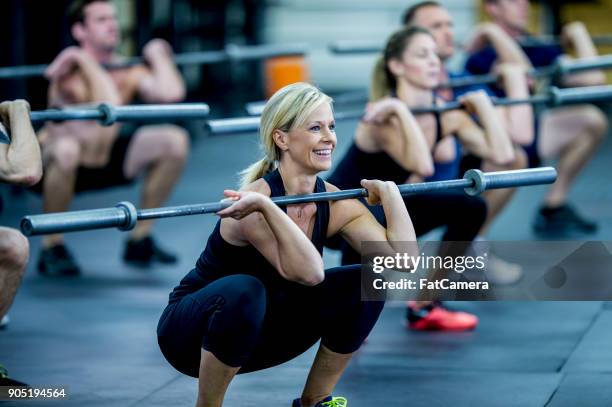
{"x": 220, "y": 258}
{"x": 358, "y": 164}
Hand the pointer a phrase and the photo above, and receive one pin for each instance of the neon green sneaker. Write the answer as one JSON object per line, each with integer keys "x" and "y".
{"x": 326, "y": 402}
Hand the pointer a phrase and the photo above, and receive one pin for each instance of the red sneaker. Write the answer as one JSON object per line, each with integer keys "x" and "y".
{"x": 436, "y": 317}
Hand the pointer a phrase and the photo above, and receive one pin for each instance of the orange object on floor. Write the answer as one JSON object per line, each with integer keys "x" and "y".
{"x": 283, "y": 71}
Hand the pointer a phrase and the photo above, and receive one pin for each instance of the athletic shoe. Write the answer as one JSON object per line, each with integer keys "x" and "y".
{"x": 7, "y": 381}
{"x": 145, "y": 251}
{"x": 326, "y": 402}
{"x": 437, "y": 317}
{"x": 4, "y": 322}
{"x": 58, "y": 261}
{"x": 562, "y": 221}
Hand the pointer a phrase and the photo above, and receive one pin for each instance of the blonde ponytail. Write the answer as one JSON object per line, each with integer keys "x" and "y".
{"x": 255, "y": 171}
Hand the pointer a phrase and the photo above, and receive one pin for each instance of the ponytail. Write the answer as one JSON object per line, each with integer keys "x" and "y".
{"x": 255, "y": 171}
{"x": 380, "y": 85}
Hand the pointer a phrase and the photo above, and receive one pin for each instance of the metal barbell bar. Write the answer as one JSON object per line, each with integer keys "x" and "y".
{"x": 558, "y": 69}
{"x": 553, "y": 97}
{"x": 354, "y": 47}
{"x": 125, "y": 215}
{"x": 231, "y": 53}
{"x": 562, "y": 67}
{"x": 108, "y": 114}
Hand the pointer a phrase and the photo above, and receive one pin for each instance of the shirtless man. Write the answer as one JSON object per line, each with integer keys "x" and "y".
{"x": 20, "y": 163}
{"x": 81, "y": 156}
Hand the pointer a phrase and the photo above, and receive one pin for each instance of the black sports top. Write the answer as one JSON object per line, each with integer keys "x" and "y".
{"x": 220, "y": 258}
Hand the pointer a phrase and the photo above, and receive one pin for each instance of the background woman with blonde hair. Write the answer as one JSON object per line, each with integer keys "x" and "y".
{"x": 259, "y": 295}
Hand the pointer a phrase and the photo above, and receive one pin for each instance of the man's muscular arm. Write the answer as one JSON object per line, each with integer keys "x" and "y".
{"x": 163, "y": 83}
{"x": 95, "y": 86}
{"x": 77, "y": 79}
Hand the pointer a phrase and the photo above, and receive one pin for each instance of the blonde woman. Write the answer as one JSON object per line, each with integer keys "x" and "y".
{"x": 259, "y": 295}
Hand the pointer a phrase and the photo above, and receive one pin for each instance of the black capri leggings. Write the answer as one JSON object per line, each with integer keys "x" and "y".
{"x": 246, "y": 325}
{"x": 461, "y": 214}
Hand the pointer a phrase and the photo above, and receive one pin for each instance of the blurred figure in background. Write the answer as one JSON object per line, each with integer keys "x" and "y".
{"x": 518, "y": 119}
{"x": 81, "y": 156}
{"x": 569, "y": 134}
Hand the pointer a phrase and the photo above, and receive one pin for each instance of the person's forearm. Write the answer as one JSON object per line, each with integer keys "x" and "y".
{"x": 299, "y": 259}
{"x": 519, "y": 118}
{"x": 167, "y": 85}
{"x": 417, "y": 153}
{"x": 580, "y": 41}
{"x": 101, "y": 86}
{"x": 399, "y": 224}
{"x": 21, "y": 161}
{"x": 498, "y": 141}
{"x": 507, "y": 49}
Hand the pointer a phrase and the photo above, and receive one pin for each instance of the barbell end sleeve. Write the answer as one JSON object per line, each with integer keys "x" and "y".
{"x": 109, "y": 114}
{"x": 26, "y": 226}
{"x": 131, "y": 215}
{"x": 556, "y": 96}
{"x": 75, "y": 221}
{"x": 515, "y": 178}
{"x": 562, "y": 66}
{"x": 479, "y": 182}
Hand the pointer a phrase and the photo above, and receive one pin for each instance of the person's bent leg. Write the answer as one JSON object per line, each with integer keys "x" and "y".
{"x": 214, "y": 378}
{"x": 463, "y": 217}
{"x": 212, "y": 332}
{"x": 497, "y": 199}
{"x": 500, "y": 271}
{"x": 347, "y": 321}
{"x": 572, "y": 134}
{"x": 323, "y": 376}
{"x": 161, "y": 152}
{"x": 61, "y": 158}
{"x": 14, "y": 252}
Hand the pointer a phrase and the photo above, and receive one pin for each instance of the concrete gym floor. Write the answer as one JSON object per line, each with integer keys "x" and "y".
{"x": 96, "y": 334}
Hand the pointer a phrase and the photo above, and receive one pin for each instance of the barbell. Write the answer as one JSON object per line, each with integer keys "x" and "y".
{"x": 354, "y": 47}
{"x": 108, "y": 114}
{"x": 553, "y": 97}
{"x": 563, "y": 66}
{"x": 125, "y": 215}
{"x": 231, "y": 53}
